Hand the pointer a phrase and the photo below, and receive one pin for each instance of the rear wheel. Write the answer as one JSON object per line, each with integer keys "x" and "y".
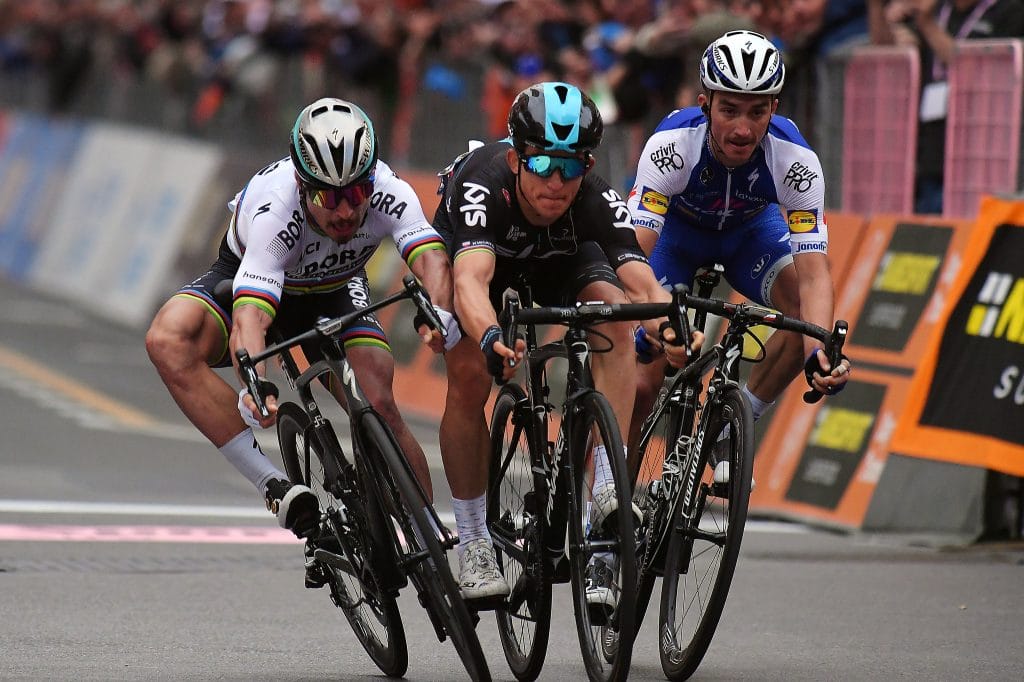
{"x": 602, "y": 558}
{"x": 425, "y": 560}
{"x": 516, "y": 527}
{"x": 372, "y": 612}
{"x": 704, "y": 544}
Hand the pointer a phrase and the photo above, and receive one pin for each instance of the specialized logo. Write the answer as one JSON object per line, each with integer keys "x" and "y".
{"x": 800, "y": 177}
{"x": 999, "y": 310}
{"x": 803, "y": 221}
{"x": 666, "y": 159}
{"x": 759, "y": 265}
{"x": 653, "y": 202}
{"x": 474, "y": 211}
{"x": 265, "y": 208}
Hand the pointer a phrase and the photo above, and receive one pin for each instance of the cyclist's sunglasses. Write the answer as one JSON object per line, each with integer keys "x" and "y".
{"x": 330, "y": 199}
{"x": 571, "y": 167}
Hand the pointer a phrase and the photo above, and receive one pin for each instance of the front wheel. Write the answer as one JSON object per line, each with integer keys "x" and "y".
{"x": 372, "y": 612}
{"x": 602, "y": 554}
{"x": 517, "y": 527}
{"x": 423, "y": 558}
{"x": 704, "y": 544}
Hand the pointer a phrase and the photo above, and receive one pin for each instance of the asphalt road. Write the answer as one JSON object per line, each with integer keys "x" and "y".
{"x": 129, "y": 550}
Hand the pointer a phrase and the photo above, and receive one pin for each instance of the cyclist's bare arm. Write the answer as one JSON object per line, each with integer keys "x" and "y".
{"x": 817, "y": 307}
{"x": 248, "y": 330}
{"x": 472, "y": 273}
{"x": 433, "y": 269}
{"x": 643, "y": 287}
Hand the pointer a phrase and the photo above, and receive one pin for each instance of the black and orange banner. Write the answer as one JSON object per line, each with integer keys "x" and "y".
{"x": 821, "y": 463}
{"x": 966, "y": 403}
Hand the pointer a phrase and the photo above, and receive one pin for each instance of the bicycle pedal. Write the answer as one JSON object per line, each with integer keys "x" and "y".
{"x": 486, "y": 604}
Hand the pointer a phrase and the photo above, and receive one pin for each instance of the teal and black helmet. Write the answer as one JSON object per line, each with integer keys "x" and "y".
{"x": 332, "y": 144}
{"x": 555, "y": 116}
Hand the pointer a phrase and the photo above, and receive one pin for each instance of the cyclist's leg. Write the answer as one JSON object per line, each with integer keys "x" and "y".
{"x": 366, "y": 347}
{"x": 759, "y": 265}
{"x": 187, "y": 338}
{"x": 189, "y": 335}
{"x": 375, "y": 371}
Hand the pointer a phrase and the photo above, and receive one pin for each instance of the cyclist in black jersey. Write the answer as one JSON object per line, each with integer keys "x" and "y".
{"x": 529, "y": 206}
{"x": 300, "y": 234}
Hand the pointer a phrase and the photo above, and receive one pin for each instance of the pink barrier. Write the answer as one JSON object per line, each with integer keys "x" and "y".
{"x": 983, "y": 128}
{"x": 880, "y": 130}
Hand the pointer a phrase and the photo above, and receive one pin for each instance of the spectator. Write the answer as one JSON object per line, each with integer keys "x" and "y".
{"x": 936, "y": 26}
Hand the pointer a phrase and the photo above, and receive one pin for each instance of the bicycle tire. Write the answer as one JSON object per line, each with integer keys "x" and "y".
{"x": 518, "y": 530}
{"x": 705, "y": 541}
{"x": 372, "y": 613}
{"x": 409, "y": 512}
{"x": 593, "y": 424}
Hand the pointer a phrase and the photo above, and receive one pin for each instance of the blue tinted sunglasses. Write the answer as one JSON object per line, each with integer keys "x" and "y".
{"x": 571, "y": 167}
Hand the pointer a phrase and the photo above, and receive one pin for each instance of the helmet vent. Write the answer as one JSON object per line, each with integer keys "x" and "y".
{"x": 562, "y": 131}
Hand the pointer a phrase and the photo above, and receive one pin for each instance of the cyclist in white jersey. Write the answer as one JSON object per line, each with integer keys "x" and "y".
{"x": 300, "y": 235}
{"x": 730, "y": 182}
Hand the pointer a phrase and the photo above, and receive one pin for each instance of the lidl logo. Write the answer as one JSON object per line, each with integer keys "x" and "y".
{"x": 906, "y": 273}
{"x": 999, "y": 311}
{"x": 654, "y": 202}
{"x": 803, "y": 221}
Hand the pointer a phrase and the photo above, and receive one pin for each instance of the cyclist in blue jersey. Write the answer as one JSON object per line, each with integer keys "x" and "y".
{"x": 731, "y": 182}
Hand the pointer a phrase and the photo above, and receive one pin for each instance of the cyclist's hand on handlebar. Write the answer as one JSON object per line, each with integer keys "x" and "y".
{"x": 676, "y": 353}
{"x": 432, "y": 337}
{"x": 824, "y": 378}
{"x": 502, "y": 361}
{"x": 250, "y": 412}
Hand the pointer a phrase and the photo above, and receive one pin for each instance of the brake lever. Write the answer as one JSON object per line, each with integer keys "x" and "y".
{"x": 509, "y": 312}
{"x": 252, "y": 380}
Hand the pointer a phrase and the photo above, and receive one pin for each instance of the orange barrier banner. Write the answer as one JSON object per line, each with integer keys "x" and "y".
{"x": 966, "y": 402}
{"x": 897, "y": 286}
{"x": 821, "y": 463}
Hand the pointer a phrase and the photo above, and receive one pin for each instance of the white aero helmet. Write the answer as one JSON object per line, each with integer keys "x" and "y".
{"x": 743, "y": 62}
{"x": 333, "y": 144}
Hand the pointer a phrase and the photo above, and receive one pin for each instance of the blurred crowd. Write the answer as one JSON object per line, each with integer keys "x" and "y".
{"x": 636, "y": 57}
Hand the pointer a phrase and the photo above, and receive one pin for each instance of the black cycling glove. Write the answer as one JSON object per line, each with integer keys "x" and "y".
{"x": 812, "y": 365}
{"x": 495, "y": 362}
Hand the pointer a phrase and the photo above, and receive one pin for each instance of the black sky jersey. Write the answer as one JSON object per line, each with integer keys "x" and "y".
{"x": 479, "y": 212}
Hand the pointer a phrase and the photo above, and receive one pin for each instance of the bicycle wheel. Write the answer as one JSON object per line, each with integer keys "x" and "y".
{"x": 613, "y": 544}
{"x": 705, "y": 541}
{"x": 372, "y": 613}
{"x": 425, "y": 560}
{"x": 517, "y": 531}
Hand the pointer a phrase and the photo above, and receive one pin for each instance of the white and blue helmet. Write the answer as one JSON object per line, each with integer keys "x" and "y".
{"x": 743, "y": 62}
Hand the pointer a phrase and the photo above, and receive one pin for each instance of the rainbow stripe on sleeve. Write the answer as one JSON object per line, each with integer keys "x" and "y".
{"x": 261, "y": 298}
{"x": 418, "y": 247}
{"x": 474, "y": 249}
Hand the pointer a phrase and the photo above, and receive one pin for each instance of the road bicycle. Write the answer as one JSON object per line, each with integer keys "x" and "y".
{"x": 694, "y": 508}
{"x": 378, "y": 532}
{"x": 538, "y": 491}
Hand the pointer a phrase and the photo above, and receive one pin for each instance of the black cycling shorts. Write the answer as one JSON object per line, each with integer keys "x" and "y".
{"x": 555, "y": 281}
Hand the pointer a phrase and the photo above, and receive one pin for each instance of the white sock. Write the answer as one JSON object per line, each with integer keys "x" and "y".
{"x": 245, "y": 455}
{"x": 757, "y": 406}
{"x": 470, "y": 520}
{"x": 602, "y": 469}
